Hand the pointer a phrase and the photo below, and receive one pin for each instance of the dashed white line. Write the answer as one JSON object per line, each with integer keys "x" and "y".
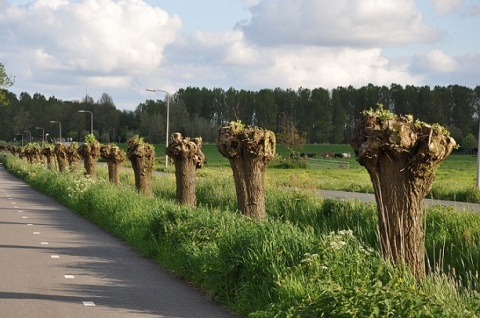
{"x": 44, "y": 243}
{"x": 24, "y": 217}
{"x": 69, "y": 276}
{"x": 36, "y": 232}
{"x": 89, "y": 303}
{"x": 54, "y": 256}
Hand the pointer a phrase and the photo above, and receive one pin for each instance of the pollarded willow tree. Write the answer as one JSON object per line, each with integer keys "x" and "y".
{"x": 401, "y": 156}
{"x": 248, "y": 149}
{"x": 90, "y": 151}
{"x": 73, "y": 157}
{"x": 61, "y": 156}
{"x": 48, "y": 152}
{"x": 188, "y": 157}
{"x": 114, "y": 157}
{"x": 142, "y": 157}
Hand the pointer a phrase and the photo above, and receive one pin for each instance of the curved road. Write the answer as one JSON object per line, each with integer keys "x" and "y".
{"x": 54, "y": 263}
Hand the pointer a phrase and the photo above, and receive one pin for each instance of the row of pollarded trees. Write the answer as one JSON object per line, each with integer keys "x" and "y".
{"x": 401, "y": 156}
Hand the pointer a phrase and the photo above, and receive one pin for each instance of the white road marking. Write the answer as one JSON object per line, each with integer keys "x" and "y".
{"x": 44, "y": 243}
{"x": 24, "y": 217}
{"x": 54, "y": 256}
{"x": 89, "y": 303}
{"x": 36, "y": 232}
{"x": 69, "y": 276}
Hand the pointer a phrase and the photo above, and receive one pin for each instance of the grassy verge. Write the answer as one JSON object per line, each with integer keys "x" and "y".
{"x": 311, "y": 258}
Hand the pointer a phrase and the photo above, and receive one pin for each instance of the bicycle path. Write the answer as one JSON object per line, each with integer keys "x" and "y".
{"x": 54, "y": 263}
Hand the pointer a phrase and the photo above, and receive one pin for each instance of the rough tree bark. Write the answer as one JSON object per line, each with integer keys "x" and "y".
{"x": 248, "y": 149}
{"x": 401, "y": 156}
{"x": 188, "y": 157}
{"x": 114, "y": 157}
{"x": 61, "y": 156}
{"x": 89, "y": 151}
{"x": 142, "y": 157}
{"x": 49, "y": 153}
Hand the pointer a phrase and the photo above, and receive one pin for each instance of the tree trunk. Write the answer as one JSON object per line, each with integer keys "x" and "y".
{"x": 142, "y": 157}
{"x": 400, "y": 202}
{"x": 248, "y": 150}
{"x": 188, "y": 157}
{"x": 89, "y": 152}
{"x": 401, "y": 157}
{"x": 249, "y": 175}
{"x": 114, "y": 157}
{"x": 61, "y": 157}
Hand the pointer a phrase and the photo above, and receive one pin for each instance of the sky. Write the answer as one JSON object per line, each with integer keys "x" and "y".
{"x": 67, "y": 48}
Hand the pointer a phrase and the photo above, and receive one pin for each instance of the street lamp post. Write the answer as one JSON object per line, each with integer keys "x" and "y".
{"x": 43, "y": 135}
{"x": 59, "y": 128}
{"x": 168, "y": 117}
{"x": 29, "y": 136}
{"x": 91, "y": 119}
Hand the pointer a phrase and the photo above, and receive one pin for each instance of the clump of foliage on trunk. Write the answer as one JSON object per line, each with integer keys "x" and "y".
{"x": 401, "y": 156}
{"x": 188, "y": 157}
{"x": 248, "y": 149}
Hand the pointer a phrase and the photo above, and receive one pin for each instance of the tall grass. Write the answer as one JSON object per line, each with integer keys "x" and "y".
{"x": 310, "y": 258}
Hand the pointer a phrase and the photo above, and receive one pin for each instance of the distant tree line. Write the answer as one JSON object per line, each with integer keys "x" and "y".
{"x": 321, "y": 115}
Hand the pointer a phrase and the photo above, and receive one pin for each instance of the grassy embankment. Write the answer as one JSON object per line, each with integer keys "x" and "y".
{"x": 312, "y": 257}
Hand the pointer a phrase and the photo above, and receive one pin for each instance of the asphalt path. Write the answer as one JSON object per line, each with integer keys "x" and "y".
{"x": 54, "y": 263}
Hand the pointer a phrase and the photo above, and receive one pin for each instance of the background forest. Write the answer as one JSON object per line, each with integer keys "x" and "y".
{"x": 321, "y": 115}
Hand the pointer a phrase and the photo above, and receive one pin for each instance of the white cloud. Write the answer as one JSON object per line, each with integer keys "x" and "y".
{"x": 444, "y": 7}
{"x": 366, "y": 23}
{"x": 435, "y": 61}
{"x": 96, "y": 37}
{"x": 330, "y": 67}
{"x": 224, "y": 60}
